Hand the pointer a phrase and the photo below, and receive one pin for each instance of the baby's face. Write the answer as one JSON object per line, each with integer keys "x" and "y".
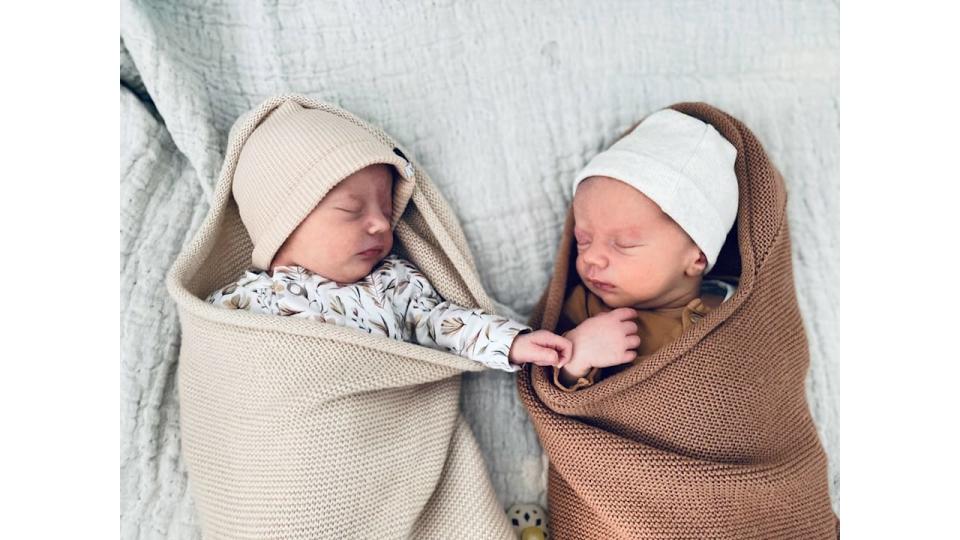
{"x": 630, "y": 253}
{"x": 349, "y": 232}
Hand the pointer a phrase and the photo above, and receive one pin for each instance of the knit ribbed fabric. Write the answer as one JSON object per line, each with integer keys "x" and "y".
{"x": 294, "y": 156}
{"x": 297, "y": 429}
{"x": 711, "y": 436}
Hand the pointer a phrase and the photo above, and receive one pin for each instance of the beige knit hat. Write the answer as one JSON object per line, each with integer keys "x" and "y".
{"x": 293, "y": 158}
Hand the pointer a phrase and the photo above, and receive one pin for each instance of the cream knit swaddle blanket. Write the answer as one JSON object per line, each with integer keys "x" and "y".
{"x": 297, "y": 429}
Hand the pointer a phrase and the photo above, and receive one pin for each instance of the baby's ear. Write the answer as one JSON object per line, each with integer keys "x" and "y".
{"x": 697, "y": 267}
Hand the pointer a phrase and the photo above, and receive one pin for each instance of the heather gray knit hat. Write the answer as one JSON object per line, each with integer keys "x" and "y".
{"x": 293, "y": 158}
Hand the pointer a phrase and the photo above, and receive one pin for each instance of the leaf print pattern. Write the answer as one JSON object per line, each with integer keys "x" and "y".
{"x": 432, "y": 333}
{"x": 471, "y": 343}
{"x": 288, "y": 311}
{"x": 382, "y": 326}
{"x": 451, "y": 325}
{"x": 371, "y": 286}
{"x": 390, "y": 286}
{"x": 248, "y": 278}
{"x": 336, "y": 304}
{"x": 395, "y": 301}
{"x": 238, "y": 301}
{"x": 468, "y": 332}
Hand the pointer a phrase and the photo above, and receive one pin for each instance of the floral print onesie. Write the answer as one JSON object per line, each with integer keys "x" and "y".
{"x": 395, "y": 300}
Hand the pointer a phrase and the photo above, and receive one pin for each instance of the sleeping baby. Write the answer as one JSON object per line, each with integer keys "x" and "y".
{"x": 650, "y": 216}
{"x": 319, "y": 197}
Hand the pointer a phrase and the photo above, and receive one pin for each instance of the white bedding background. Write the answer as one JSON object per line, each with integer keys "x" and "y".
{"x": 501, "y": 102}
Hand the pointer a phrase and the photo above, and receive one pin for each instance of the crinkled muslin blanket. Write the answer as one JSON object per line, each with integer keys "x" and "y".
{"x": 297, "y": 429}
{"x": 501, "y": 103}
{"x": 710, "y": 436}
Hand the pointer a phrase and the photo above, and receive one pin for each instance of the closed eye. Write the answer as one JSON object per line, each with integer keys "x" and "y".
{"x": 349, "y": 210}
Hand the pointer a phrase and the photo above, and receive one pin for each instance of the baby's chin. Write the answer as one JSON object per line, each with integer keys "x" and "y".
{"x": 614, "y": 301}
{"x": 610, "y": 298}
{"x": 358, "y": 272}
{"x": 350, "y": 271}
{"x": 617, "y": 298}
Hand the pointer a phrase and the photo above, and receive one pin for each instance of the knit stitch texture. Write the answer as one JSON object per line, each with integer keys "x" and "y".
{"x": 711, "y": 436}
{"x": 293, "y": 428}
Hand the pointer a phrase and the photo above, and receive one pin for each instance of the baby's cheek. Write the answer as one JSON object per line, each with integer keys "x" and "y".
{"x": 579, "y": 265}
{"x": 632, "y": 276}
{"x": 346, "y": 239}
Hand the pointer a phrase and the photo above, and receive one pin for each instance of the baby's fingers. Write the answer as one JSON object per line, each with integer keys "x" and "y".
{"x": 564, "y": 349}
{"x": 560, "y": 344}
{"x": 633, "y": 341}
{"x": 565, "y": 358}
{"x": 545, "y": 357}
{"x": 549, "y": 339}
{"x": 629, "y": 356}
{"x": 624, "y": 313}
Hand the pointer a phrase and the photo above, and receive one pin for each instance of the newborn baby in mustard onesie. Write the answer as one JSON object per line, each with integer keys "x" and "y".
{"x": 651, "y": 214}
{"x": 319, "y": 197}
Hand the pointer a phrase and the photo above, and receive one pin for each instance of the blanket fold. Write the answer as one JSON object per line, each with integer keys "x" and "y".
{"x": 297, "y": 429}
{"x": 710, "y": 437}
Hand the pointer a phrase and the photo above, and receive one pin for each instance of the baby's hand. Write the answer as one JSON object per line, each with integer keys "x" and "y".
{"x": 540, "y": 347}
{"x": 603, "y": 340}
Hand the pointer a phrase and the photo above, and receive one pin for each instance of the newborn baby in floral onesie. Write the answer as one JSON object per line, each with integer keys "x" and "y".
{"x": 332, "y": 261}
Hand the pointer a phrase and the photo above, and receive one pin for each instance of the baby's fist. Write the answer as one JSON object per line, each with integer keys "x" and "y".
{"x": 605, "y": 340}
{"x": 542, "y": 348}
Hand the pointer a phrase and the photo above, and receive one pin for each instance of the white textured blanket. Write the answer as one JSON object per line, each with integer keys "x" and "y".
{"x": 501, "y": 102}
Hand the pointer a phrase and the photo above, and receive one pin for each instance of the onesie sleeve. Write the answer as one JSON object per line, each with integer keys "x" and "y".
{"x": 252, "y": 292}
{"x": 470, "y": 333}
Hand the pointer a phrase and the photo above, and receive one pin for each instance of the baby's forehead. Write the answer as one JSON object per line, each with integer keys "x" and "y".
{"x": 611, "y": 226}
{"x": 605, "y": 191}
{"x": 364, "y": 183}
{"x": 611, "y": 203}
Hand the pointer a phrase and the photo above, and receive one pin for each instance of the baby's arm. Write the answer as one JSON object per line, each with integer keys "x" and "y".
{"x": 247, "y": 293}
{"x": 492, "y": 340}
{"x": 470, "y": 333}
{"x": 601, "y": 341}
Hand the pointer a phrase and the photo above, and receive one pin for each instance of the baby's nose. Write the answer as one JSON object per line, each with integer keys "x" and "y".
{"x": 378, "y": 223}
{"x": 592, "y": 258}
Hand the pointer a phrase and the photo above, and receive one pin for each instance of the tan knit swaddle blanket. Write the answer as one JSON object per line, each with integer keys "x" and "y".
{"x": 293, "y": 428}
{"x": 711, "y": 436}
